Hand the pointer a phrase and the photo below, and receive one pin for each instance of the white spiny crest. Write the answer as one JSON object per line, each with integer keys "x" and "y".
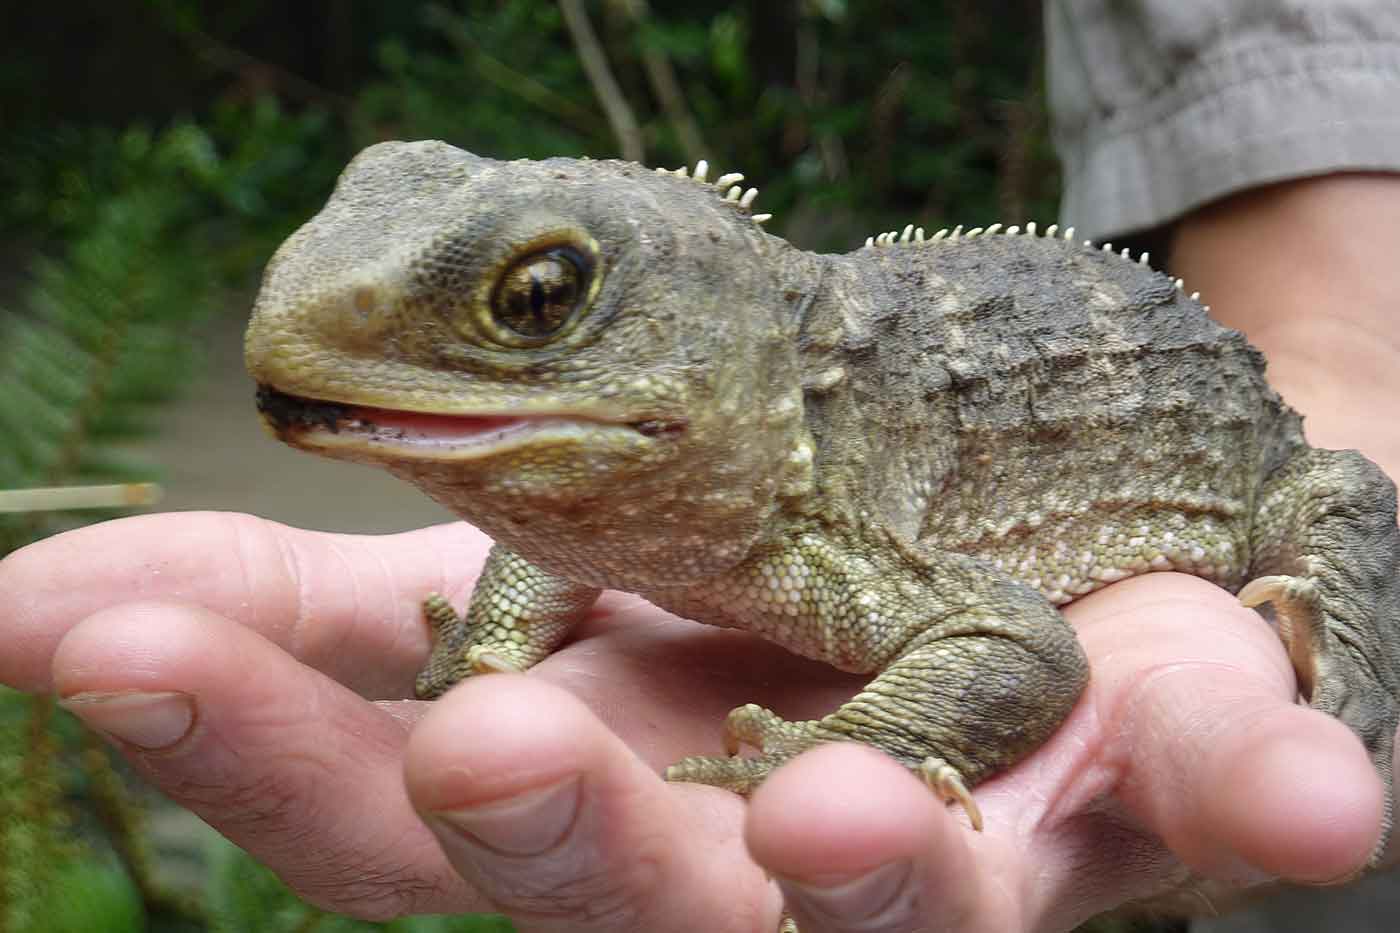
{"x": 727, "y": 185}
{"x": 916, "y": 235}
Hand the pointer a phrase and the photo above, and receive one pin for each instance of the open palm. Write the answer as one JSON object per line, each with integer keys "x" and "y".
{"x": 254, "y": 673}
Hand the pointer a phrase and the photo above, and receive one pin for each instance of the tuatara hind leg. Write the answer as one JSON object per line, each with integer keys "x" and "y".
{"x": 1327, "y": 557}
{"x": 987, "y": 672}
{"x": 518, "y": 614}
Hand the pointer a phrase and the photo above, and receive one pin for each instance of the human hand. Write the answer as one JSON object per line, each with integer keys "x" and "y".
{"x": 258, "y": 665}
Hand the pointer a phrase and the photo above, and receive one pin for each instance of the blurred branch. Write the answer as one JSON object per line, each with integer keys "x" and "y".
{"x": 55, "y": 498}
{"x": 884, "y": 124}
{"x": 228, "y": 58}
{"x": 605, "y": 86}
{"x": 1025, "y": 120}
{"x": 124, "y": 821}
{"x": 507, "y": 78}
{"x": 814, "y": 94}
{"x": 666, "y": 87}
{"x": 34, "y": 825}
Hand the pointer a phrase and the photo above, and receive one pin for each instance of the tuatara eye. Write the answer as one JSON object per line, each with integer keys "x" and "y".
{"x": 539, "y": 295}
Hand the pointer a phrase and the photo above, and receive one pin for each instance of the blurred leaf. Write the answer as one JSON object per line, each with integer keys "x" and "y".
{"x": 90, "y": 895}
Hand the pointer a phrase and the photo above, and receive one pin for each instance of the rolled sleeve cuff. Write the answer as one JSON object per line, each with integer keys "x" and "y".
{"x": 1255, "y": 116}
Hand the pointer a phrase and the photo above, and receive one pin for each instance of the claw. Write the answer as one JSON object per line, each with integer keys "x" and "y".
{"x": 1264, "y": 590}
{"x": 944, "y": 780}
{"x": 485, "y": 661}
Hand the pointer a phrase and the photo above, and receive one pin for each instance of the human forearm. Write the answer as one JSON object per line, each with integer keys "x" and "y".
{"x": 1310, "y": 270}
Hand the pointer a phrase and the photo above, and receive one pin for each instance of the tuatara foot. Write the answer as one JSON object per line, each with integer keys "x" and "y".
{"x": 1330, "y": 549}
{"x": 517, "y": 616}
{"x": 779, "y": 740}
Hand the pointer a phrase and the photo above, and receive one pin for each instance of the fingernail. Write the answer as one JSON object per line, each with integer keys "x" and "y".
{"x": 147, "y": 720}
{"x": 883, "y": 893}
{"x": 527, "y": 824}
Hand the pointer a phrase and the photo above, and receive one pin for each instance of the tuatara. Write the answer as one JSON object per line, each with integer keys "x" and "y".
{"x": 898, "y": 461}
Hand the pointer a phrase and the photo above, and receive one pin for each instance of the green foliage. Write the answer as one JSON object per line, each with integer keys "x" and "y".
{"x": 154, "y": 228}
{"x": 460, "y": 78}
{"x": 847, "y": 128}
{"x": 92, "y": 894}
{"x": 34, "y": 846}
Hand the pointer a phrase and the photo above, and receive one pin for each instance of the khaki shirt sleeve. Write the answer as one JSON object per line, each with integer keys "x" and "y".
{"x": 1160, "y": 106}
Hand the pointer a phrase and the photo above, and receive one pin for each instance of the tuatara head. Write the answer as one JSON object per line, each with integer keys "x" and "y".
{"x": 581, "y": 357}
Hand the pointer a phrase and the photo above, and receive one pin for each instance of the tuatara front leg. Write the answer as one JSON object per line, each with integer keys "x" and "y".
{"x": 1327, "y": 556}
{"x": 974, "y": 670}
{"x": 518, "y": 614}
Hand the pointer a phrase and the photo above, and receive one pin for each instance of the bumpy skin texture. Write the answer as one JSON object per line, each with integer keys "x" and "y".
{"x": 897, "y": 461}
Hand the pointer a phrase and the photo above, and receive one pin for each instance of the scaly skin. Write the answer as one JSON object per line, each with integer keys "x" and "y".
{"x": 897, "y": 461}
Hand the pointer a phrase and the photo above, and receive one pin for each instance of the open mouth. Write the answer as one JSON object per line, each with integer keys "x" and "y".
{"x": 419, "y": 435}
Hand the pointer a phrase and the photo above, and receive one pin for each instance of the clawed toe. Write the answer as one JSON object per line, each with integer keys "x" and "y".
{"x": 944, "y": 780}
{"x": 740, "y": 775}
{"x": 750, "y": 725}
{"x": 443, "y": 619}
{"x": 1276, "y": 589}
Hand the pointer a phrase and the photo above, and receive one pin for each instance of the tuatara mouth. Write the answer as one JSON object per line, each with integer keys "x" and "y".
{"x": 397, "y": 434}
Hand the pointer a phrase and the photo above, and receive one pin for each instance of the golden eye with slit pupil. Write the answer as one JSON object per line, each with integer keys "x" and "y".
{"x": 538, "y": 296}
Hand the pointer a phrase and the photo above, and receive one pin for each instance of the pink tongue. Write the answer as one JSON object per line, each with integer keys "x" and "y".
{"x": 434, "y": 427}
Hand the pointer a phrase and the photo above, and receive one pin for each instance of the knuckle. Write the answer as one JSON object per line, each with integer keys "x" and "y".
{"x": 284, "y": 818}
{"x": 600, "y": 896}
{"x": 365, "y": 889}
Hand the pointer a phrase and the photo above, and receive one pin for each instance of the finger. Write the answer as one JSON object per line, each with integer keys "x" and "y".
{"x": 297, "y": 770}
{"x": 563, "y": 828}
{"x": 1240, "y": 781}
{"x": 857, "y": 843}
{"x": 333, "y": 601}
